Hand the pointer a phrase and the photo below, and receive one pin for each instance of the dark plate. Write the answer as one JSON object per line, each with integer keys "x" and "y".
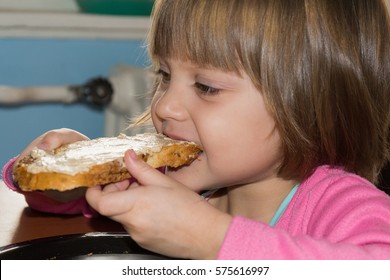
{"x": 95, "y": 245}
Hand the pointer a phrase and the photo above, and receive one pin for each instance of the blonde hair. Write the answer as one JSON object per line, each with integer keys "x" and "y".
{"x": 323, "y": 68}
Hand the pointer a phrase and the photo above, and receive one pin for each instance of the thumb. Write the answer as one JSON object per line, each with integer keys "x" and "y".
{"x": 143, "y": 172}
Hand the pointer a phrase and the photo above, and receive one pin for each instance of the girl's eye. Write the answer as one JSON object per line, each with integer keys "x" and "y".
{"x": 164, "y": 76}
{"x": 206, "y": 90}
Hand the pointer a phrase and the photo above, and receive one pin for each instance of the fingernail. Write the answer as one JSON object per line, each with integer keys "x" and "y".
{"x": 42, "y": 146}
{"x": 132, "y": 154}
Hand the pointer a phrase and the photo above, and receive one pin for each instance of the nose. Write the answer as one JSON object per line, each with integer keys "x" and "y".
{"x": 170, "y": 104}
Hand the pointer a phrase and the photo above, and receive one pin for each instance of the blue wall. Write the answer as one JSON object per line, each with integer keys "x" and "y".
{"x": 40, "y": 62}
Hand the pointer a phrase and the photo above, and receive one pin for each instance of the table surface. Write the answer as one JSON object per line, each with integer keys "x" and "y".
{"x": 20, "y": 223}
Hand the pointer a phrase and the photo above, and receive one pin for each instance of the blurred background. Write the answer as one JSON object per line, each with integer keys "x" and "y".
{"x": 56, "y": 46}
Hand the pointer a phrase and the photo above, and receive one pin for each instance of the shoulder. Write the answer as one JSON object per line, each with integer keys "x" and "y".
{"x": 327, "y": 180}
{"x": 333, "y": 196}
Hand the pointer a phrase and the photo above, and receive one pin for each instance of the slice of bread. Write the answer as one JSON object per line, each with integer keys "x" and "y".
{"x": 99, "y": 161}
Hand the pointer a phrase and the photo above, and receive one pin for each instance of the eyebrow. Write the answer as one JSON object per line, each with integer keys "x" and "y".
{"x": 215, "y": 82}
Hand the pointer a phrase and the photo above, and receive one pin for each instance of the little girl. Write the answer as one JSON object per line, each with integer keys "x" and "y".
{"x": 289, "y": 101}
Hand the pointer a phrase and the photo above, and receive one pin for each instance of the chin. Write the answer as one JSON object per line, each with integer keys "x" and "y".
{"x": 186, "y": 176}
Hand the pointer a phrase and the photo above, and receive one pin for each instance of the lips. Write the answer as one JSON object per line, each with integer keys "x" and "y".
{"x": 180, "y": 138}
{"x": 177, "y": 137}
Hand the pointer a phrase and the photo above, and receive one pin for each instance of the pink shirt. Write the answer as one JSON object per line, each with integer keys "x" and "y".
{"x": 333, "y": 215}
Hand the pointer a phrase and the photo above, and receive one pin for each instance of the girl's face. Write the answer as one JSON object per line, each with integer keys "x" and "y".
{"x": 225, "y": 114}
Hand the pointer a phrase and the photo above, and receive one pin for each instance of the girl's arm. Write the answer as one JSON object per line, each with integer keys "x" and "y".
{"x": 248, "y": 239}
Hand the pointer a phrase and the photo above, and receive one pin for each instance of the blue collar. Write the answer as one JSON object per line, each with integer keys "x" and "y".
{"x": 283, "y": 206}
{"x": 279, "y": 212}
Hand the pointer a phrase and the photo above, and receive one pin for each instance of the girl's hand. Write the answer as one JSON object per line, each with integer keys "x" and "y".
{"x": 51, "y": 140}
{"x": 161, "y": 214}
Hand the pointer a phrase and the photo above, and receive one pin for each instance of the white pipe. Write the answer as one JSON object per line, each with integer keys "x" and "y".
{"x": 16, "y": 96}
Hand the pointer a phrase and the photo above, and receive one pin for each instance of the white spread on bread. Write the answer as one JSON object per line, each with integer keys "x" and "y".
{"x": 80, "y": 156}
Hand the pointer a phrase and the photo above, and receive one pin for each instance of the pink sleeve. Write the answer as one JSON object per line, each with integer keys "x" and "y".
{"x": 37, "y": 200}
{"x": 334, "y": 216}
{"x": 248, "y": 239}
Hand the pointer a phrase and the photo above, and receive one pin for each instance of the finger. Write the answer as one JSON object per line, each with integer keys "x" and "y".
{"x": 59, "y": 137}
{"x": 53, "y": 139}
{"x": 144, "y": 173}
{"x": 117, "y": 186}
{"x": 111, "y": 204}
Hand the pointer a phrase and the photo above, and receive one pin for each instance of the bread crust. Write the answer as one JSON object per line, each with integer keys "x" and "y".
{"x": 170, "y": 153}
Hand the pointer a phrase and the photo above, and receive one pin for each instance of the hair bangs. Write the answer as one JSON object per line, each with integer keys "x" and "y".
{"x": 207, "y": 33}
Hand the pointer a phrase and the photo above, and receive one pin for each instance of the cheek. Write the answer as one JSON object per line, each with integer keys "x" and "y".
{"x": 244, "y": 160}
{"x": 243, "y": 147}
{"x": 156, "y": 121}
